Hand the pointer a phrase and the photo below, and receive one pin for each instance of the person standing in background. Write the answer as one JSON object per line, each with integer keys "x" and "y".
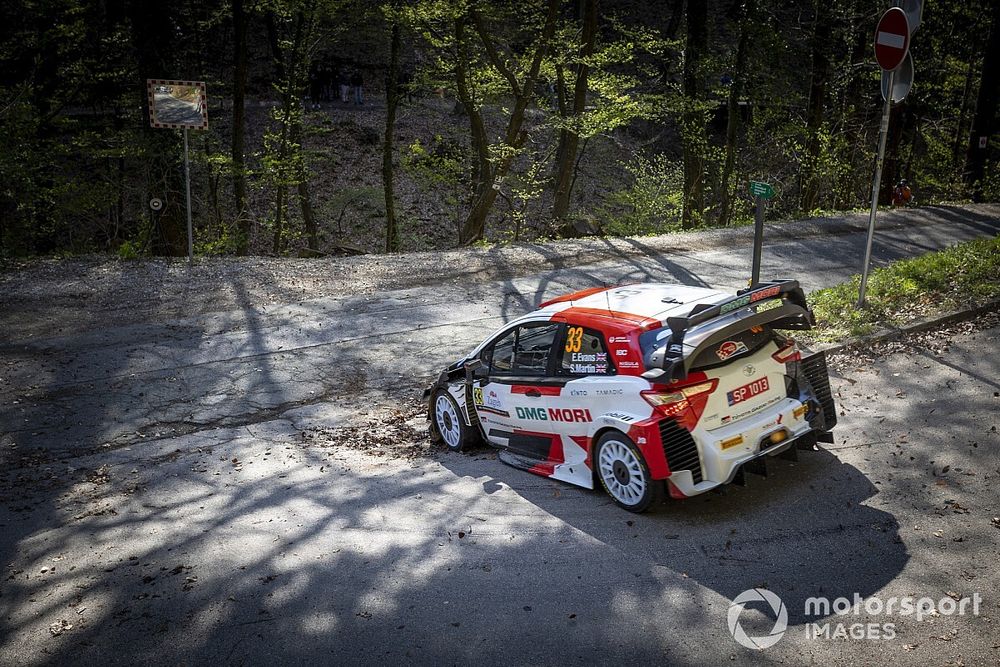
{"x": 358, "y": 82}
{"x": 343, "y": 83}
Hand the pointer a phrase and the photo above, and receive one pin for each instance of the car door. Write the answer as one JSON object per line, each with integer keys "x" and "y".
{"x": 511, "y": 400}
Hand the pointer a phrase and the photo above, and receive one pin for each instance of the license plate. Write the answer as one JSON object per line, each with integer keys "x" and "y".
{"x": 747, "y": 391}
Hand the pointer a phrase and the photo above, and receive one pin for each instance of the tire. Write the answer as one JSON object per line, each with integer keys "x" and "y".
{"x": 448, "y": 422}
{"x": 624, "y": 474}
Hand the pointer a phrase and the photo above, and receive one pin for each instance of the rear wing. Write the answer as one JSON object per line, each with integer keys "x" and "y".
{"x": 710, "y": 324}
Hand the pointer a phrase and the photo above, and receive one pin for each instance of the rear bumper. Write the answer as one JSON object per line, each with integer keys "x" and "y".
{"x": 680, "y": 484}
{"x": 723, "y": 452}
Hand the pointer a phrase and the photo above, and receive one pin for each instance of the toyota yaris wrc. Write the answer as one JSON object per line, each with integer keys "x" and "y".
{"x": 642, "y": 389}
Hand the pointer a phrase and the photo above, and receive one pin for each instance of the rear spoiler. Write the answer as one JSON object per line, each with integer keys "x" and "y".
{"x": 689, "y": 338}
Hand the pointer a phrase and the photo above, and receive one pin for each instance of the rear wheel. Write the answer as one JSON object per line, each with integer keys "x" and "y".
{"x": 455, "y": 433}
{"x": 624, "y": 474}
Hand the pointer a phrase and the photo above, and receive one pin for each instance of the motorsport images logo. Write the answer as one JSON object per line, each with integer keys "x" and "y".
{"x": 843, "y": 617}
{"x": 777, "y": 606}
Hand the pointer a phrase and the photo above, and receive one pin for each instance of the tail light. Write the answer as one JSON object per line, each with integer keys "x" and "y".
{"x": 677, "y": 400}
{"x": 787, "y": 352}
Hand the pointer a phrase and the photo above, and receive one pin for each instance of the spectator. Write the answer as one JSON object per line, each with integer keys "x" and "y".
{"x": 344, "y": 84}
{"x": 315, "y": 85}
{"x": 901, "y": 194}
{"x": 357, "y": 82}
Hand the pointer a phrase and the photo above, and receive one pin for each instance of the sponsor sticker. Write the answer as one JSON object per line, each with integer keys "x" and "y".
{"x": 730, "y": 348}
{"x": 732, "y": 442}
{"x": 554, "y": 414}
{"x": 618, "y": 339}
{"x": 765, "y": 294}
{"x": 734, "y": 305}
{"x": 621, "y": 352}
{"x": 747, "y": 391}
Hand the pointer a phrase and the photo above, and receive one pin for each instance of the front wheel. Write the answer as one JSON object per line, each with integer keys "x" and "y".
{"x": 624, "y": 474}
{"x": 457, "y": 435}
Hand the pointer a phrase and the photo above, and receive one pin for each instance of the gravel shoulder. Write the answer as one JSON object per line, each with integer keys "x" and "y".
{"x": 40, "y": 297}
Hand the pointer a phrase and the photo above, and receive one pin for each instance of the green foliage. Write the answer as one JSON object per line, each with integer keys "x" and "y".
{"x": 936, "y": 282}
{"x": 128, "y": 250}
{"x": 439, "y": 164}
{"x": 653, "y": 202}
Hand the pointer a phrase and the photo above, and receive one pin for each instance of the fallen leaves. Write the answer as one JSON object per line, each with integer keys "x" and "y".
{"x": 59, "y": 627}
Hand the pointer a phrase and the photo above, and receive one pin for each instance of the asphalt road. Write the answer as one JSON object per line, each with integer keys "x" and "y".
{"x": 170, "y": 491}
{"x": 96, "y": 378}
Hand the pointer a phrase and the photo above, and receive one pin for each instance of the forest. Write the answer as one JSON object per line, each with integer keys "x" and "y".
{"x": 344, "y": 126}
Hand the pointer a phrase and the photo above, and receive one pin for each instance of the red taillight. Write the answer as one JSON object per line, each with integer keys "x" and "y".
{"x": 675, "y": 400}
{"x": 787, "y": 352}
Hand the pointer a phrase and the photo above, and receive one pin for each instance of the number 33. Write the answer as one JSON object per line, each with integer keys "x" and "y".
{"x": 574, "y": 339}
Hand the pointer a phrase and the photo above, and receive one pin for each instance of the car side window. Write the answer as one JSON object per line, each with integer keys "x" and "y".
{"x": 584, "y": 353}
{"x": 524, "y": 350}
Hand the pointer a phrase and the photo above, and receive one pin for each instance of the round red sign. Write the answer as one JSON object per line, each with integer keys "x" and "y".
{"x": 892, "y": 38}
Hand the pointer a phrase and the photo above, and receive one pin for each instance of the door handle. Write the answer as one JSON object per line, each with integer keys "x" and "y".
{"x": 533, "y": 393}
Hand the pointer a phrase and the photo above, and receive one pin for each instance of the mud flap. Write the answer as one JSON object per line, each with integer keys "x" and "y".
{"x": 825, "y": 436}
{"x": 757, "y": 466}
{"x": 790, "y": 454}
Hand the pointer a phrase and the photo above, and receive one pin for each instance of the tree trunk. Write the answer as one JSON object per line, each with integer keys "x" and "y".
{"x": 308, "y": 219}
{"x": 153, "y": 42}
{"x": 239, "y": 122}
{"x": 817, "y": 97}
{"x": 693, "y": 122}
{"x": 569, "y": 138}
{"x": 958, "y": 152}
{"x": 726, "y": 193}
{"x": 482, "y": 169}
{"x": 515, "y": 136}
{"x": 985, "y": 121}
{"x": 279, "y": 219}
{"x": 287, "y": 66}
{"x": 391, "y": 101}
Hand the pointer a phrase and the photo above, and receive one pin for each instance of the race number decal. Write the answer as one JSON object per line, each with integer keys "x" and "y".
{"x": 574, "y": 339}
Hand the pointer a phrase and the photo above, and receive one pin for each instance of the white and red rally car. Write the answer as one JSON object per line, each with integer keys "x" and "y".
{"x": 642, "y": 388}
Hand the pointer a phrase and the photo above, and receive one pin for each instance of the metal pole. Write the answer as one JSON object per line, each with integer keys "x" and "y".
{"x": 758, "y": 240}
{"x": 883, "y": 133}
{"x": 187, "y": 185}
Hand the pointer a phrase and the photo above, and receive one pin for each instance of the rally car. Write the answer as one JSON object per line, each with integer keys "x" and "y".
{"x": 643, "y": 389}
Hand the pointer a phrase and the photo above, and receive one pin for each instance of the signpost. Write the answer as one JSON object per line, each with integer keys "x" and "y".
{"x": 892, "y": 38}
{"x": 179, "y": 105}
{"x": 892, "y": 44}
{"x": 761, "y": 192}
{"x": 902, "y": 80}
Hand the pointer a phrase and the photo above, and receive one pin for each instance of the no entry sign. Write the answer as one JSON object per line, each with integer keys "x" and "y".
{"x": 892, "y": 38}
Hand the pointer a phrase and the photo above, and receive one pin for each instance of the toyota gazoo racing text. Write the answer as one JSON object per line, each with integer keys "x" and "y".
{"x": 642, "y": 389}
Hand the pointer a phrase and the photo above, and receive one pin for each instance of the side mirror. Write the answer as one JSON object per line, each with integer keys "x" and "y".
{"x": 474, "y": 369}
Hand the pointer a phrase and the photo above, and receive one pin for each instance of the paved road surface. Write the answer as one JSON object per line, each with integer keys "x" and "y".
{"x": 169, "y": 491}
{"x": 97, "y": 378}
{"x": 250, "y": 544}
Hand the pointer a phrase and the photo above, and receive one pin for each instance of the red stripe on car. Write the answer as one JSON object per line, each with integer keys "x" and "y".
{"x": 544, "y": 391}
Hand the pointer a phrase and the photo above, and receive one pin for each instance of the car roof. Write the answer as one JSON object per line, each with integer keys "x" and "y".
{"x": 640, "y": 306}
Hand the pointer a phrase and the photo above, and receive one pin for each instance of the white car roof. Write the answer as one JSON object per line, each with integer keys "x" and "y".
{"x": 653, "y": 300}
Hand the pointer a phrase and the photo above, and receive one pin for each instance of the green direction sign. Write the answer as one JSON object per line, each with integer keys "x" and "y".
{"x": 762, "y": 190}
